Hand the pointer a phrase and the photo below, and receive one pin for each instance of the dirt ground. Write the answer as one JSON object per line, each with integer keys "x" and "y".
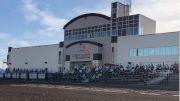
{"x": 63, "y": 93}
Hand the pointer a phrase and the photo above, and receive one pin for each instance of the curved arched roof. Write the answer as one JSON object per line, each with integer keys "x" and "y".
{"x": 90, "y": 42}
{"x": 86, "y": 15}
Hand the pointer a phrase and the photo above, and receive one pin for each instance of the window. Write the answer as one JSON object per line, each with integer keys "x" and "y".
{"x": 168, "y": 50}
{"x": 130, "y": 17}
{"x": 96, "y": 34}
{"x": 114, "y": 28}
{"x": 124, "y": 32}
{"x": 136, "y": 24}
{"x": 114, "y": 33}
{"x": 85, "y": 36}
{"x": 146, "y": 52}
{"x": 119, "y": 32}
{"x": 130, "y": 31}
{"x": 135, "y": 31}
{"x": 133, "y": 52}
{"x": 108, "y": 33}
{"x": 104, "y": 34}
{"x": 174, "y": 50}
{"x": 76, "y": 37}
{"x": 69, "y": 37}
{"x": 90, "y": 32}
{"x": 157, "y": 51}
{"x": 120, "y": 23}
{"x": 114, "y": 10}
{"x": 151, "y": 51}
{"x": 136, "y": 16}
{"x": 65, "y": 38}
{"x": 114, "y": 15}
{"x": 163, "y": 50}
{"x": 101, "y": 34}
{"x": 79, "y": 36}
{"x": 67, "y": 57}
{"x": 60, "y": 57}
{"x": 92, "y": 35}
{"x": 73, "y": 37}
{"x": 141, "y": 52}
{"x": 120, "y": 19}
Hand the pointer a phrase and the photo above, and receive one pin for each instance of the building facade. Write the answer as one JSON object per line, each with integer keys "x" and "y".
{"x": 95, "y": 39}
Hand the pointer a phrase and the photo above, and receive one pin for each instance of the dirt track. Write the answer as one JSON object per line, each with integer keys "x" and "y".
{"x": 63, "y": 93}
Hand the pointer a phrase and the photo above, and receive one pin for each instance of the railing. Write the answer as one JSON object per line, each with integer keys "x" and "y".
{"x": 75, "y": 77}
{"x": 141, "y": 75}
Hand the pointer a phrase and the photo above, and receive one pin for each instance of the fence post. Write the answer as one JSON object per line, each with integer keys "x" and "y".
{"x": 167, "y": 79}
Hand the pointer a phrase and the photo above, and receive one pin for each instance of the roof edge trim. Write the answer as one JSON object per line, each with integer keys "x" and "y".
{"x": 86, "y": 15}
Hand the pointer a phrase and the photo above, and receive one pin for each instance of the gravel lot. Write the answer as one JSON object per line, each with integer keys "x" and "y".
{"x": 32, "y": 92}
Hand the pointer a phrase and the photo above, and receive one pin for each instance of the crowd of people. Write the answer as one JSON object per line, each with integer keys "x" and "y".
{"x": 109, "y": 71}
{"x": 173, "y": 68}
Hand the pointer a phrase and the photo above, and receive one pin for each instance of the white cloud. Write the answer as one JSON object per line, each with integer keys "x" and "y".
{"x": 103, "y": 8}
{"x": 10, "y": 40}
{"x": 78, "y": 11}
{"x": 50, "y": 30}
{"x": 47, "y": 19}
{"x": 165, "y": 12}
{"x": 51, "y": 21}
{"x": 31, "y": 11}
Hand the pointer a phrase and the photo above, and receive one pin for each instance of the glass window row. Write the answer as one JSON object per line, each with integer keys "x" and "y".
{"x": 121, "y": 32}
{"x": 124, "y": 26}
{"x": 132, "y": 30}
{"x": 86, "y": 36}
{"x": 132, "y": 17}
{"x": 128, "y": 31}
{"x": 158, "y": 51}
{"x": 89, "y": 29}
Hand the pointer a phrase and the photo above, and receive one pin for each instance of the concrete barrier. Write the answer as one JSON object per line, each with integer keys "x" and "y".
{"x": 41, "y": 76}
{"x": 32, "y": 75}
{"x": 8, "y": 75}
{"x": 23, "y": 76}
{"x": 15, "y": 75}
{"x": 1, "y": 75}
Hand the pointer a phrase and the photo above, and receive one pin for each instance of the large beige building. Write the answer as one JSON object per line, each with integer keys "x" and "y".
{"x": 95, "y": 39}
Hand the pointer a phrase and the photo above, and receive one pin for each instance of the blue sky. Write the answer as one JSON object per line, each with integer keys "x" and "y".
{"x": 39, "y": 22}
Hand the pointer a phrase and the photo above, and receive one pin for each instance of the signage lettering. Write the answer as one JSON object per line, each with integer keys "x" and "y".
{"x": 81, "y": 56}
